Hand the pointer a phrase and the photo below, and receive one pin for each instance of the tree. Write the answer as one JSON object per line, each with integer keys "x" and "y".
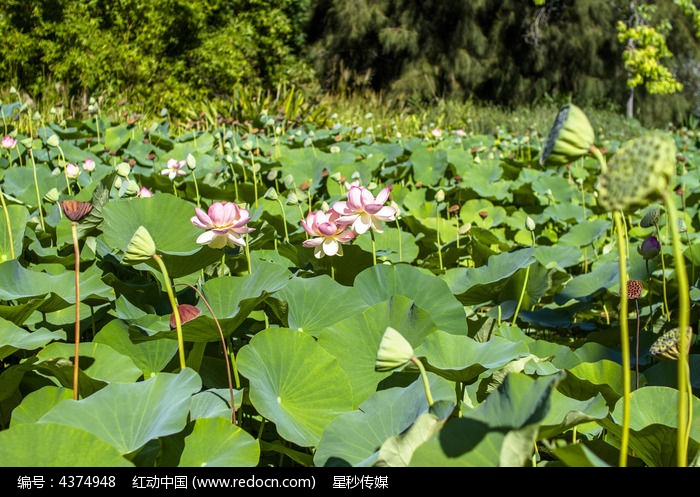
{"x": 645, "y": 48}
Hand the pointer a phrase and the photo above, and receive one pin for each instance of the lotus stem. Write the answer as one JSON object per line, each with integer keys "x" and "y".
{"x": 8, "y": 223}
{"x": 36, "y": 189}
{"x": 76, "y": 360}
{"x": 684, "y": 402}
{"x": 176, "y": 312}
{"x": 374, "y": 247}
{"x": 424, "y": 376}
{"x": 624, "y": 339}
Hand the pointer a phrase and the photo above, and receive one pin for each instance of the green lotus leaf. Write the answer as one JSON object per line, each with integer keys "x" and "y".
{"x": 354, "y": 341}
{"x": 382, "y": 282}
{"x": 13, "y": 338}
{"x": 429, "y": 165}
{"x": 463, "y": 359}
{"x": 500, "y": 432}
{"x": 584, "y": 286}
{"x": 588, "y": 379}
{"x": 558, "y": 256}
{"x": 565, "y": 413}
{"x": 162, "y": 403}
{"x": 19, "y": 183}
{"x": 579, "y": 455}
{"x": 150, "y": 357}
{"x": 653, "y": 425}
{"x": 308, "y": 303}
{"x": 398, "y": 450}
{"x": 217, "y": 442}
{"x": 481, "y": 284}
{"x": 107, "y": 364}
{"x": 60, "y": 446}
{"x": 18, "y": 216}
{"x": 17, "y": 282}
{"x": 294, "y": 383}
{"x": 353, "y": 437}
{"x": 38, "y": 403}
{"x": 585, "y": 233}
{"x": 214, "y": 402}
{"x": 392, "y": 245}
{"x": 173, "y": 234}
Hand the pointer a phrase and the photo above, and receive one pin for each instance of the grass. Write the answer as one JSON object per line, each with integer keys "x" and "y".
{"x": 384, "y": 114}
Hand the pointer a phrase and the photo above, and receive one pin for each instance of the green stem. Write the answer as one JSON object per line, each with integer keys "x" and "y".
{"x": 683, "y": 322}
{"x": 522, "y": 295}
{"x": 284, "y": 220}
{"x": 374, "y": 247}
{"x": 247, "y": 255}
{"x": 176, "y": 312}
{"x": 7, "y": 222}
{"x": 398, "y": 228}
{"x": 624, "y": 339}
{"x": 76, "y": 353}
{"x": 424, "y": 376}
{"x": 196, "y": 188}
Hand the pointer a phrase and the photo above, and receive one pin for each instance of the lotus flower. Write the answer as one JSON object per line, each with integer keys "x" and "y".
{"x": 89, "y": 165}
{"x": 225, "y": 223}
{"x": 144, "y": 192}
{"x": 174, "y": 168}
{"x": 327, "y": 232}
{"x": 72, "y": 171}
{"x": 8, "y": 142}
{"x": 362, "y": 211}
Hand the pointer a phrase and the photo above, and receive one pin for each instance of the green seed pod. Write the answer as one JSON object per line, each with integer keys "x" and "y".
{"x": 639, "y": 172}
{"x": 394, "y": 351}
{"x": 141, "y": 247}
{"x": 667, "y": 344}
{"x": 570, "y": 138}
{"x": 650, "y": 218}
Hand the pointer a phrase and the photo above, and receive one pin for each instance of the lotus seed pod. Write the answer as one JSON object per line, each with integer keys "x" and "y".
{"x": 123, "y": 169}
{"x": 52, "y": 195}
{"x": 53, "y": 141}
{"x": 650, "y": 218}
{"x": 141, "y": 247}
{"x": 667, "y": 344}
{"x": 394, "y": 351}
{"x": 570, "y": 138}
{"x": 639, "y": 173}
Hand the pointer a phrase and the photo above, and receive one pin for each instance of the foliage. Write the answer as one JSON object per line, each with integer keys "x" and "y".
{"x": 482, "y": 227}
{"x": 156, "y": 54}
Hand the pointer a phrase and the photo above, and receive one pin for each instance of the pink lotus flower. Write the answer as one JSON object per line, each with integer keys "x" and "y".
{"x": 72, "y": 171}
{"x": 327, "y": 232}
{"x": 89, "y": 165}
{"x": 144, "y": 192}
{"x": 225, "y": 223}
{"x": 8, "y": 142}
{"x": 174, "y": 168}
{"x": 363, "y": 211}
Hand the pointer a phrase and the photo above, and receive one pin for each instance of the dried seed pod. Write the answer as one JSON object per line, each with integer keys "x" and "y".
{"x": 187, "y": 313}
{"x": 634, "y": 289}
{"x": 667, "y": 344}
{"x": 639, "y": 173}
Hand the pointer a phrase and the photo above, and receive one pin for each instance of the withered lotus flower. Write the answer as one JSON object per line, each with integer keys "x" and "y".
{"x": 75, "y": 210}
{"x": 187, "y": 313}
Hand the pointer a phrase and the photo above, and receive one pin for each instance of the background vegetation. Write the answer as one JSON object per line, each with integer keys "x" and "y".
{"x": 214, "y": 57}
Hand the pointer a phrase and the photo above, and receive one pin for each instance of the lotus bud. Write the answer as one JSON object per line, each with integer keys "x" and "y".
{"x": 52, "y": 195}
{"x": 667, "y": 344}
{"x": 530, "y": 224}
{"x": 141, "y": 247}
{"x": 639, "y": 172}
{"x": 191, "y": 161}
{"x": 650, "y": 248}
{"x": 394, "y": 351}
{"x": 570, "y": 138}
{"x": 440, "y": 195}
